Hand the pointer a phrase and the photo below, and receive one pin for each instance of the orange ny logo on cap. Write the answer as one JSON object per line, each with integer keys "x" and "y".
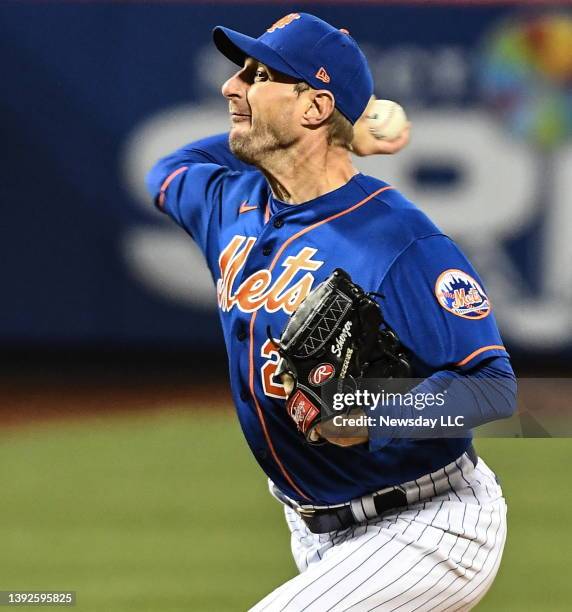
{"x": 323, "y": 75}
{"x": 282, "y": 23}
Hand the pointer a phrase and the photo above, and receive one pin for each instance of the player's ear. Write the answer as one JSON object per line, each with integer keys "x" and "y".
{"x": 318, "y": 108}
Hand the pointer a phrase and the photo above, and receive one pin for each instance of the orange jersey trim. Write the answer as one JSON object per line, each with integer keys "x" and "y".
{"x": 327, "y": 220}
{"x": 253, "y": 320}
{"x": 492, "y": 347}
{"x": 166, "y": 183}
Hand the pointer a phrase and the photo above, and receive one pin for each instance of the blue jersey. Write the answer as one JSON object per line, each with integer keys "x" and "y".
{"x": 265, "y": 256}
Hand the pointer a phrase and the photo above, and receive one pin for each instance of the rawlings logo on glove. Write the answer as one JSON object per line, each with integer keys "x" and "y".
{"x": 321, "y": 374}
{"x": 338, "y": 332}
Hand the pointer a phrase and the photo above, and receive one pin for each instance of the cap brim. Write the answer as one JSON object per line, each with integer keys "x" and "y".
{"x": 237, "y": 47}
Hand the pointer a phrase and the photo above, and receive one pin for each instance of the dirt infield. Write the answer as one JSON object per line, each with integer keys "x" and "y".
{"x": 24, "y": 403}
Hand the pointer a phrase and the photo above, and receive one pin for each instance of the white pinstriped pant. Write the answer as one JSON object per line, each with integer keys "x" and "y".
{"x": 441, "y": 553}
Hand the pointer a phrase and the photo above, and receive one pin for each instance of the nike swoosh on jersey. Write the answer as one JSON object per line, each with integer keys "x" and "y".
{"x": 244, "y": 207}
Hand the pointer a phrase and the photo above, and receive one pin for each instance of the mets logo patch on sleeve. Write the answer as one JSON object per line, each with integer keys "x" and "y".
{"x": 461, "y": 294}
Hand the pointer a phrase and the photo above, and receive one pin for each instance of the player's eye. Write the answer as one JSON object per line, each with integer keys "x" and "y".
{"x": 260, "y": 75}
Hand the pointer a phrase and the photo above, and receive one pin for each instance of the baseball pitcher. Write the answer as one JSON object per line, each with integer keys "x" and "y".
{"x": 327, "y": 277}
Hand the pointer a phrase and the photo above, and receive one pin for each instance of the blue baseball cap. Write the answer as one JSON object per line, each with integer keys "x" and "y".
{"x": 303, "y": 46}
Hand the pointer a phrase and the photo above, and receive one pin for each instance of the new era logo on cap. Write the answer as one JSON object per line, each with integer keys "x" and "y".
{"x": 323, "y": 75}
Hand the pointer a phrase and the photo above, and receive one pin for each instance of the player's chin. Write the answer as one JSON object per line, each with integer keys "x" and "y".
{"x": 236, "y": 131}
{"x": 240, "y": 132}
{"x": 240, "y": 123}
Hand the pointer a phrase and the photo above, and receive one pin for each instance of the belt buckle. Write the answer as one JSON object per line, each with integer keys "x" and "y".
{"x": 305, "y": 512}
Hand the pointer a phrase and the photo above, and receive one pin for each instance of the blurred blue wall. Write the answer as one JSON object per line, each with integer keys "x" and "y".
{"x": 93, "y": 93}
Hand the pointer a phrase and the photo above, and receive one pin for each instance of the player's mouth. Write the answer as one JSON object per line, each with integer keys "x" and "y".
{"x": 239, "y": 117}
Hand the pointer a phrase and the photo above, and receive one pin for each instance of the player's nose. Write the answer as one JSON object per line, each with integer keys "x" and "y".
{"x": 234, "y": 87}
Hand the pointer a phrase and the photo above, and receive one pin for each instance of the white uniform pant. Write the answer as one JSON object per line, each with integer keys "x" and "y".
{"x": 441, "y": 553}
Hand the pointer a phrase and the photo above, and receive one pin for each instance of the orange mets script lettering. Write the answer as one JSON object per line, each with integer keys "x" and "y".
{"x": 283, "y": 22}
{"x": 258, "y": 291}
{"x": 463, "y": 300}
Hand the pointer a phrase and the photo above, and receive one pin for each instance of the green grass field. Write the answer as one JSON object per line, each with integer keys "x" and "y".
{"x": 169, "y": 512}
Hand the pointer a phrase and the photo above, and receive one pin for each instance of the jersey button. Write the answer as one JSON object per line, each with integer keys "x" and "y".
{"x": 241, "y": 334}
{"x": 267, "y": 250}
{"x": 278, "y": 223}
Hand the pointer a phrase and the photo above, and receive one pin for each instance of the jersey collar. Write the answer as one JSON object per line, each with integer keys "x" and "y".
{"x": 323, "y": 205}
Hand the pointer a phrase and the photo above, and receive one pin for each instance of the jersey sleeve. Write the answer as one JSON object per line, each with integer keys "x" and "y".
{"x": 438, "y": 306}
{"x": 190, "y": 184}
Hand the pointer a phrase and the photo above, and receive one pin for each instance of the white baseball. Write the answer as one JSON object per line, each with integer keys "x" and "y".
{"x": 386, "y": 119}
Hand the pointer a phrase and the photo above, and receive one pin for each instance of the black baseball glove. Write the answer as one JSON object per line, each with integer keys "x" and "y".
{"x": 337, "y": 334}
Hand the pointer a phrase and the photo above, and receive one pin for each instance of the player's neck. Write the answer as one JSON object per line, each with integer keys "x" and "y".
{"x": 304, "y": 173}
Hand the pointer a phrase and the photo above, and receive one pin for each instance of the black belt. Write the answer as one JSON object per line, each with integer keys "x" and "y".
{"x": 343, "y": 516}
{"x": 323, "y": 520}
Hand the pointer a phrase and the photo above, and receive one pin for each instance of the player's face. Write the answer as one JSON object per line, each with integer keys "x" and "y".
{"x": 263, "y": 106}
